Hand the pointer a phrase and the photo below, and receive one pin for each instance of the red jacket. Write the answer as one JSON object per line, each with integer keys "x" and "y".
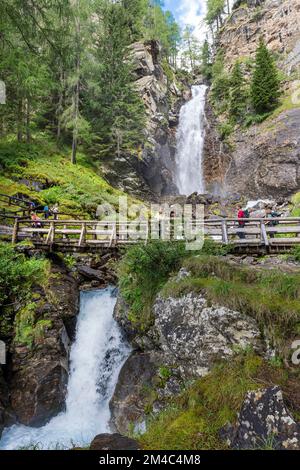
{"x": 241, "y": 215}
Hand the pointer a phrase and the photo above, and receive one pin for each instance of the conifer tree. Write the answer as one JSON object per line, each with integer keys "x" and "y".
{"x": 265, "y": 86}
{"x": 238, "y": 93}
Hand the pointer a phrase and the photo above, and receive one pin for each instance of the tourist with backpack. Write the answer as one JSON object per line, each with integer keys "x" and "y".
{"x": 242, "y": 223}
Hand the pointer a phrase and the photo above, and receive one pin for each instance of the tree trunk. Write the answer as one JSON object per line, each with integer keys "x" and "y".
{"x": 20, "y": 120}
{"x": 28, "y": 134}
{"x": 76, "y": 89}
{"x": 60, "y": 106}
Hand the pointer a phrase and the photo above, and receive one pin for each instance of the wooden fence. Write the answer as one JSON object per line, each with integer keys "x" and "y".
{"x": 257, "y": 233}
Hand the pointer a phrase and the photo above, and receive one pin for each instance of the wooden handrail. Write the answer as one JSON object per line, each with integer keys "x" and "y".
{"x": 82, "y": 233}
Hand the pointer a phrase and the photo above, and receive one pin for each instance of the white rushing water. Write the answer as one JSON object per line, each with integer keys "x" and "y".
{"x": 190, "y": 142}
{"x": 97, "y": 356}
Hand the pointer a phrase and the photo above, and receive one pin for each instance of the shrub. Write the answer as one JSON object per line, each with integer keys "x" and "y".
{"x": 142, "y": 272}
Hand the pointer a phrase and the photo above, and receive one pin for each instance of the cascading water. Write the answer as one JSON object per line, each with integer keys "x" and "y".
{"x": 97, "y": 356}
{"x": 190, "y": 142}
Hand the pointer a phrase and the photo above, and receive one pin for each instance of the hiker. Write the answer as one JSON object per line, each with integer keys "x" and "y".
{"x": 241, "y": 215}
{"x": 36, "y": 221}
{"x": 55, "y": 211}
{"x": 46, "y": 212}
{"x": 272, "y": 214}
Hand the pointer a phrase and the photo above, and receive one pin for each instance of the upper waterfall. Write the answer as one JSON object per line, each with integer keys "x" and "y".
{"x": 190, "y": 142}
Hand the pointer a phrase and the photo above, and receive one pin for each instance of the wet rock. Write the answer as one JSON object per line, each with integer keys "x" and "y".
{"x": 39, "y": 371}
{"x": 264, "y": 421}
{"x": 131, "y": 396}
{"x": 7, "y": 418}
{"x": 194, "y": 335}
{"x": 90, "y": 273}
{"x": 113, "y": 442}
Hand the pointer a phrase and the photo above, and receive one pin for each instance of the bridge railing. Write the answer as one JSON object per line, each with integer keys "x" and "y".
{"x": 256, "y": 232}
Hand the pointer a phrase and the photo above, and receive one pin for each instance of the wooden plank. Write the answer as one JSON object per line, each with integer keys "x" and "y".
{"x": 224, "y": 232}
{"x": 82, "y": 235}
{"x": 15, "y": 232}
{"x": 264, "y": 234}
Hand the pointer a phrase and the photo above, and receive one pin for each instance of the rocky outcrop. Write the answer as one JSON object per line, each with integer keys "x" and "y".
{"x": 152, "y": 172}
{"x": 113, "y": 442}
{"x": 131, "y": 396}
{"x": 266, "y": 160}
{"x": 39, "y": 371}
{"x": 264, "y": 422}
{"x": 262, "y": 161}
{"x": 194, "y": 335}
{"x": 188, "y": 336}
{"x": 6, "y": 415}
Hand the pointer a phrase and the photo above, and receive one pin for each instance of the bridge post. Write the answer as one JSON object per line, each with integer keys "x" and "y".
{"x": 15, "y": 232}
{"x": 224, "y": 232}
{"x": 264, "y": 234}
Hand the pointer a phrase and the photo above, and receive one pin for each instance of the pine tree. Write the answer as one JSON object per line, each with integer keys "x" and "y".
{"x": 238, "y": 93}
{"x": 265, "y": 87}
{"x": 206, "y": 60}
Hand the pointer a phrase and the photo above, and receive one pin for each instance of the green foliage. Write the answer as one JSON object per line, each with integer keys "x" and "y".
{"x": 220, "y": 90}
{"x": 78, "y": 189}
{"x": 142, "y": 272}
{"x": 206, "y": 60}
{"x": 238, "y": 94}
{"x": 193, "y": 420}
{"x": 215, "y": 11}
{"x": 18, "y": 273}
{"x": 265, "y": 86}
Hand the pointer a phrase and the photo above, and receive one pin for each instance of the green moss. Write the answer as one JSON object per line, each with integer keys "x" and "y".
{"x": 193, "y": 420}
{"x": 24, "y": 323}
{"x": 78, "y": 189}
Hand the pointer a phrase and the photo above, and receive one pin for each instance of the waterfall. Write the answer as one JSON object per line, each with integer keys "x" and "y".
{"x": 190, "y": 141}
{"x": 96, "y": 358}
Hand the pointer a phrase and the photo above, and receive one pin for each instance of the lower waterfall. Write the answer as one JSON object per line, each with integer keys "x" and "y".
{"x": 190, "y": 142}
{"x": 96, "y": 358}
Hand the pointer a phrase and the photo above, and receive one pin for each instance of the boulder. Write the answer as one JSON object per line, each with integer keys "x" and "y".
{"x": 264, "y": 421}
{"x": 130, "y": 398}
{"x": 194, "y": 335}
{"x": 113, "y": 442}
{"x": 90, "y": 273}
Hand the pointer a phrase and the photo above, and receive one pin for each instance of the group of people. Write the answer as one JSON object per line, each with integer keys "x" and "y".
{"x": 267, "y": 213}
{"x": 47, "y": 213}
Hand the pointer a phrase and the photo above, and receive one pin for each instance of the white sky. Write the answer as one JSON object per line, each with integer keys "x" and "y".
{"x": 190, "y": 12}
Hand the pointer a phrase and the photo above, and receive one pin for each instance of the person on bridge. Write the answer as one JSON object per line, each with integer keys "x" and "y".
{"x": 36, "y": 221}
{"x": 241, "y": 215}
{"x": 46, "y": 212}
{"x": 272, "y": 214}
{"x": 55, "y": 211}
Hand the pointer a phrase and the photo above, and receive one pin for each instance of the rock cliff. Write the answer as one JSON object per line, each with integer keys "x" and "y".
{"x": 162, "y": 93}
{"x": 262, "y": 160}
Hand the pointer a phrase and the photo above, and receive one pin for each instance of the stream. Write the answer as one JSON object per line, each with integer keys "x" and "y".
{"x": 96, "y": 358}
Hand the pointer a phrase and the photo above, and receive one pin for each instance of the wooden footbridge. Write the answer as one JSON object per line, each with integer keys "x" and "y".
{"x": 258, "y": 235}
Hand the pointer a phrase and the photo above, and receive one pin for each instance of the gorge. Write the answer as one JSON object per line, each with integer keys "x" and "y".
{"x": 191, "y": 350}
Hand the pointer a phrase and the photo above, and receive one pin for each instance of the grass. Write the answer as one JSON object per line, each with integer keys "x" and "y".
{"x": 271, "y": 297}
{"x": 18, "y": 277}
{"x": 193, "y": 420}
{"x": 78, "y": 189}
